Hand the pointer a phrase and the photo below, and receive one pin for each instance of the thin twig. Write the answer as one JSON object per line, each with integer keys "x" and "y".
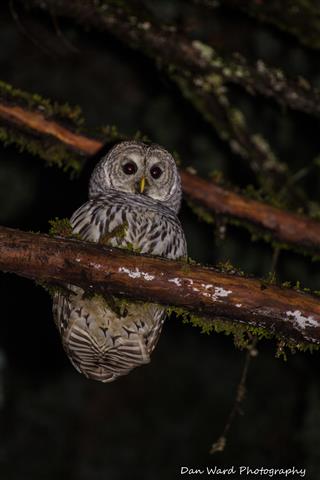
{"x": 220, "y": 444}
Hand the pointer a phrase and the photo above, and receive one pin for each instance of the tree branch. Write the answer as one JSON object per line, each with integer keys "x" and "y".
{"x": 288, "y": 227}
{"x": 51, "y": 135}
{"x": 200, "y": 72}
{"x": 50, "y": 130}
{"x": 137, "y": 28}
{"x": 300, "y": 18}
{"x": 203, "y": 291}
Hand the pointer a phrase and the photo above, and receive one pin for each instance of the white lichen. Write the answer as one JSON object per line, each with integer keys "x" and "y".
{"x": 302, "y": 321}
{"x": 205, "y": 51}
{"x": 177, "y": 281}
{"x": 206, "y": 286}
{"x": 220, "y": 292}
{"x": 96, "y": 266}
{"x": 136, "y": 273}
{"x": 216, "y": 295}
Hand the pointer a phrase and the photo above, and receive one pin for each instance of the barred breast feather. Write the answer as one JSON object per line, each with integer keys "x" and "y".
{"x": 102, "y": 339}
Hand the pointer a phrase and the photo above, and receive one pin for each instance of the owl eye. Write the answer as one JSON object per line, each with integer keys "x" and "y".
{"x": 130, "y": 168}
{"x": 156, "y": 172}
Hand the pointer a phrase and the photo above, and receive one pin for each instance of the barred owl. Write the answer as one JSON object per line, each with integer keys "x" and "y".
{"x": 134, "y": 198}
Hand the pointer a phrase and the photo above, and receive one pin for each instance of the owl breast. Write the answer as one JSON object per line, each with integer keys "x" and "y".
{"x": 131, "y": 221}
{"x": 103, "y": 337}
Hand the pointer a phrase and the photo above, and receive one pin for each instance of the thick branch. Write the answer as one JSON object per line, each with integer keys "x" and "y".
{"x": 203, "y": 291}
{"x": 286, "y": 227}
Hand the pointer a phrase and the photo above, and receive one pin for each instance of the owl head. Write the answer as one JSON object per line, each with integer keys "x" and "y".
{"x": 141, "y": 169}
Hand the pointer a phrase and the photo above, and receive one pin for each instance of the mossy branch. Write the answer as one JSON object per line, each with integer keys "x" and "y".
{"x": 274, "y": 224}
{"x": 47, "y": 129}
{"x": 209, "y": 96}
{"x": 201, "y": 72}
{"x": 204, "y": 292}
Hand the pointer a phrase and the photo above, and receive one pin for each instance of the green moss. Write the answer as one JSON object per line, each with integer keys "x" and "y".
{"x": 227, "y": 267}
{"x": 257, "y": 233}
{"x": 54, "y": 152}
{"x": 61, "y": 227}
{"x": 44, "y": 146}
{"x": 264, "y": 196}
{"x": 242, "y": 333}
{"x": 205, "y": 50}
{"x": 118, "y": 305}
{"x": 217, "y": 176}
{"x": 228, "y": 121}
{"x": 51, "y": 288}
{"x": 35, "y": 102}
{"x": 264, "y": 147}
{"x": 119, "y": 233}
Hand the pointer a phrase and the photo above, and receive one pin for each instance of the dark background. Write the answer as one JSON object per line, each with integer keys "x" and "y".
{"x": 55, "y": 423}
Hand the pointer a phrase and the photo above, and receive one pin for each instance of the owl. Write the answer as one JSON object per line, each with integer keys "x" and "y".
{"x": 134, "y": 198}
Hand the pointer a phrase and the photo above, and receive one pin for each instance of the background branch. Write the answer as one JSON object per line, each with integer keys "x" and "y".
{"x": 300, "y": 18}
{"x": 203, "y": 291}
{"x": 202, "y": 75}
{"x": 135, "y": 26}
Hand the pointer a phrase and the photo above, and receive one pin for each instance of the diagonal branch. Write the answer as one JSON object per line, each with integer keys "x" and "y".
{"x": 300, "y": 18}
{"x": 165, "y": 44}
{"x": 288, "y": 227}
{"x": 47, "y": 129}
{"x": 205, "y": 292}
{"x": 201, "y": 73}
{"x": 50, "y": 134}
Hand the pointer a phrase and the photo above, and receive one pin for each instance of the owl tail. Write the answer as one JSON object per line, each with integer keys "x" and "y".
{"x": 101, "y": 363}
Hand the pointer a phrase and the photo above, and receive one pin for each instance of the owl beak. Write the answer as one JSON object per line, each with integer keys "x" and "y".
{"x": 142, "y": 184}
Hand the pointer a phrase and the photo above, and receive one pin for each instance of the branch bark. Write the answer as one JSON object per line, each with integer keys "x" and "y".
{"x": 296, "y": 230}
{"x": 205, "y": 292}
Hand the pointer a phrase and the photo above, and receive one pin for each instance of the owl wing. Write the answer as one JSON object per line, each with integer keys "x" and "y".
{"x": 93, "y": 220}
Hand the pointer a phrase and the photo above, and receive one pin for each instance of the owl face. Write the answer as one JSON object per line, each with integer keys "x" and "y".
{"x": 140, "y": 169}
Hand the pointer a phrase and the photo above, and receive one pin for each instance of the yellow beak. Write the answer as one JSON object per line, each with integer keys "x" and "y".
{"x": 142, "y": 184}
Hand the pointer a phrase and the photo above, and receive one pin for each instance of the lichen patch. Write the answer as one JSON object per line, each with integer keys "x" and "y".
{"x": 302, "y": 321}
{"x": 136, "y": 273}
